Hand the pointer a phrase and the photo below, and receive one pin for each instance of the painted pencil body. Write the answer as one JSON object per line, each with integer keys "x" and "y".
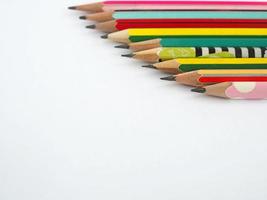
{"x": 189, "y": 14}
{"x": 196, "y": 42}
{"x": 183, "y": 7}
{"x": 135, "y": 35}
{"x": 208, "y": 77}
{"x": 191, "y": 64}
{"x": 163, "y": 54}
{"x": 236, "y": 90}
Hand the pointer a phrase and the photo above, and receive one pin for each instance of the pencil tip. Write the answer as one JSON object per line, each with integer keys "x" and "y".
{"x": 198, "y": 90}
{"x": 104, "y": 36}
{"x": 149, "y": 66}
{"x": 91, "y": 26}
{"x": 72, "y": 7}
{"x": 122, "y": 46}
{"x": 82, "y": 17}
{"x": 169, "y": 78}
{"x": 128, "y": 55}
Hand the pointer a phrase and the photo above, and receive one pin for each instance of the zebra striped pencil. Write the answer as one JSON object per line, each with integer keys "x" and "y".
{"x": 169, "y": 53}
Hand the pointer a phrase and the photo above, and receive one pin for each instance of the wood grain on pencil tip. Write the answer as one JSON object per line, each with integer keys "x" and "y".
{"x": 108, "y": 26}
{"x": 99, "y": 17}
{"x": 92, "y": 7}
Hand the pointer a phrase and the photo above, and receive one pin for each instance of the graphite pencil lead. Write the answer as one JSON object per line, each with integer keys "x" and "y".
{"x": 72, "y": 7}
{"x": 198, "y": 90}
{"x": 82, "y": 17}
{"x": 91, "y": 26}
{"x": 104, "y": 36}
{"x": 168, "y": 78}
{"x": 130, "y": 55}
{"x": 122, "y": 46}
{"x": 149, "y": 66}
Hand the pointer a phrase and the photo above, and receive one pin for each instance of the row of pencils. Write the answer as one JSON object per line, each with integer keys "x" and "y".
{"x": 217, "y": 47}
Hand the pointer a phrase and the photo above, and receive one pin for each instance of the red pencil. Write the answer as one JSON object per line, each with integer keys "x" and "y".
{"x": 122, "y": 24}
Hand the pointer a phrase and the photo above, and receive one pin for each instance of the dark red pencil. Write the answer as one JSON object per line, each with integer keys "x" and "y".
{"x": 117, "y": 25}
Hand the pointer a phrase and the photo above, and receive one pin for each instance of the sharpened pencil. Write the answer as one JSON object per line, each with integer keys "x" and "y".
{"x": 235, "y": 90}
{"x": 163, "y": 54}
{"x": 135, "y": 35}
{"x": 208, "y": 77}
{"x": 117, "y": 25}
{"x": 153, "y": 15}
{"x": 191, "y": 64}
{"x": 170, "y": 5}
{"x": 195, "y": 42}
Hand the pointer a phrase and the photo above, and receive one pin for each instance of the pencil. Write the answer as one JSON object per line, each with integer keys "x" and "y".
{"x": 170, "y": 5}
{"x": 163, "y": 54}
{"x": 191, "y": 64}
{"x": 208, "y": 77}
{"x": 236, "y": 90}
{"x": 195, "y": 42}
{"x": 124, "y": 15}
{"x": 136, "y": 35}
{"x": 184, "y": 7}
{"x": 117, "y": 25}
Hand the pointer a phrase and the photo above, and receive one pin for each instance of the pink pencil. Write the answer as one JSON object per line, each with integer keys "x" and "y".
{"x": 187, "y": 2}
{"x": 129, "y": 7}
{"x": 172, "y": 5}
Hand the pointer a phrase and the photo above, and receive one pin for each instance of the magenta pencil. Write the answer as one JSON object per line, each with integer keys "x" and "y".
{"x": 172, "y": 5}
{"x": 125, "y": 7}
{"x": 189, "y": 2}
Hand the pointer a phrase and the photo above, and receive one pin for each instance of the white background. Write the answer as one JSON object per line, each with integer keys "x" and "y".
{"x": 79, "y": 122}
